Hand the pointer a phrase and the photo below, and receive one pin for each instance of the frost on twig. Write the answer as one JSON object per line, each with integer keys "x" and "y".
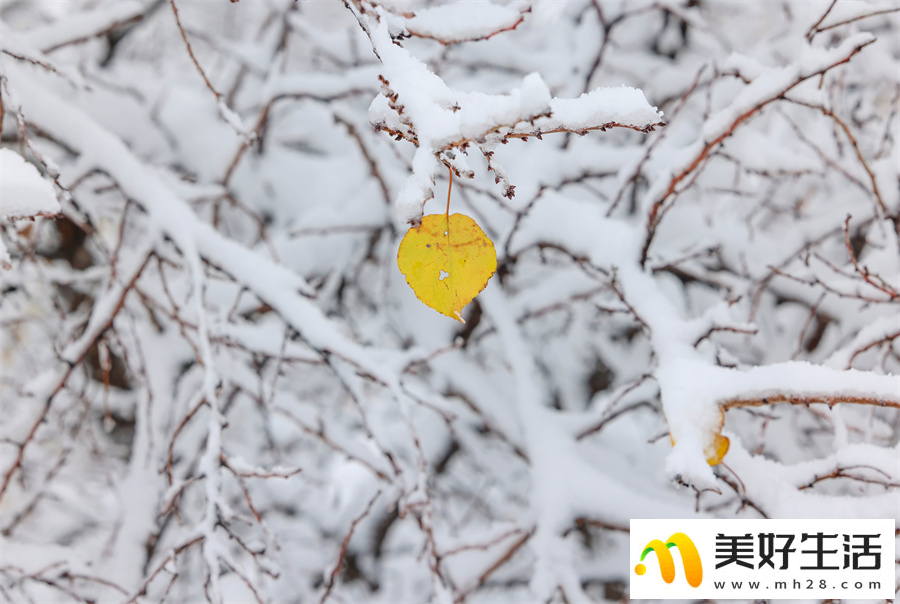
{"x": 416, "y": 105}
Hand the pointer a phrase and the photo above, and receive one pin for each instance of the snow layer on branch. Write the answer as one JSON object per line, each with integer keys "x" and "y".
{"x": 17, "y": 47}
{"x": 321, "y": 85}
{"x": 271, "y": 282}
{"x": 847, "y": 11}
{"x": 23, "y": 191}
{"x": 776, "y": 486}
{"x": 564, "y": 485}
{"x": 81, "y": 25}
{"x": 463, "y": 20}
{"x": 774, "y": 83}
{"x": 879, "y": 329}
{"x": 804, "y": 380}
{"x": 440, "y": 115}
{"x": 767, "y": 86}
{"x": 417, "y": 103}
{"x": 623, "y": 105}
{"x": 534, "y": 422}
{"x": 693, "y": 391}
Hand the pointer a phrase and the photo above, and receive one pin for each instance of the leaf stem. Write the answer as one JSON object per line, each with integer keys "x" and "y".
{"x": 449, "y": 188}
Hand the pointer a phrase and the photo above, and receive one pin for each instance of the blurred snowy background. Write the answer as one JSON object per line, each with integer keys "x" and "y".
{"x": 217, "y": 386}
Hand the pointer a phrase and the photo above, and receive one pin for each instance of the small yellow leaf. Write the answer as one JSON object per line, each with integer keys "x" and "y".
{"x": 446, "y": 265}
{"x": 717, "y": 451}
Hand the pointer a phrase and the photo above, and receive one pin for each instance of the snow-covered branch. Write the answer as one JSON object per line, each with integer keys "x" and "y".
{"x": 217, "y": 385}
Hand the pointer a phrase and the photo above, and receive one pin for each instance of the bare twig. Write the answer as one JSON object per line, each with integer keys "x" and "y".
{"x": 329, "y": 585}
{"x": 190, "y": 50}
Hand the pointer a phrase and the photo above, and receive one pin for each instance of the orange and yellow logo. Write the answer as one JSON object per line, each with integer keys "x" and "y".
{"x": 693, "y": 569}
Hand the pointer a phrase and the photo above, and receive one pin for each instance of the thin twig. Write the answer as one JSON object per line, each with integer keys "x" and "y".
{"x": 190, "y": 50}
{"x": 864, "y": 272}
{"x": 329, "y": 585}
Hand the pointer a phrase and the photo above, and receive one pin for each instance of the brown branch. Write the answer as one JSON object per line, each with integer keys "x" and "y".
{"x": 111, "y": 27}
{"x": 655, "y": 215}
{"x": 47, "y": 479}
{"x": 606, "y": 26}
{"x": 750, "y": 331}
{"x": 834, "y": 165}
{"x": 864, "y": 272}
{"x": 813, "y": 29}
{"x": 243, "y": 577}
{"x": 613, "y": 415}
{"x": 815, "y": 281}
{"x": 582, "y": 131}
{"x": 841, "y": 472}
{"x": 885, "y": 340}
{"x": 191, "y": 51}
{"x": 862, "y": 160}
{"x": 796, "y": 399}
{"x": 483, "y": 547}
{"x": 652, "y": 146}
{"x": 258, "y": 133}
{"x": 170, "y": 453}
{"x": 373, "y": 166}
{"x": 582, "y": 522}
{"x": 448, "y": 41}
{"x": 51, "y": 583}
{"x": 343, "y": 551}
{"x": 852, "y": 19}
{"x": 327, "y": 441}
{"x": 84, "y": 348}
{"x": 33, "y": 61}
{"x": 161, "y": 566}
{"x": 173, "y": 497}
{"x": 538, "y": 133}
{"x": 740, "y": 491}
{"x": 482, "y": 579}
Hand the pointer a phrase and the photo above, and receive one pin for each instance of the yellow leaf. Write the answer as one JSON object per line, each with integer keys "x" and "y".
{"x": 446, "y": 265}
{"x": 717, "y": 451}
{"x": 717, "y": 447}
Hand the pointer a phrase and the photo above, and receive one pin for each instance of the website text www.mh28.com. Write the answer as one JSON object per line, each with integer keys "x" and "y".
{"x": 798, "y": 584}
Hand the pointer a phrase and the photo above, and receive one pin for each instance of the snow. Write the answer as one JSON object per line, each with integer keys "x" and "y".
{"x": 694, "y": 393}
{"x": 16, "y": 45}
{"x": 321, "y": 85}
{"x": 622, "y": 105}
{"x": 851, "y": 10}
{"x": 444, "y": 118}
{"x": 272, "y": 373}
{"x": 273, "y": 283}
{"x": 777, "y": 484}
{"x": 803, "y": 380}
{"x": 775, "y": 82}
{"x": 24, "y": 193}
{"x": 78, "y": 26}
{"x": 564, "y": 486}
{"x": 465, "y": 20}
